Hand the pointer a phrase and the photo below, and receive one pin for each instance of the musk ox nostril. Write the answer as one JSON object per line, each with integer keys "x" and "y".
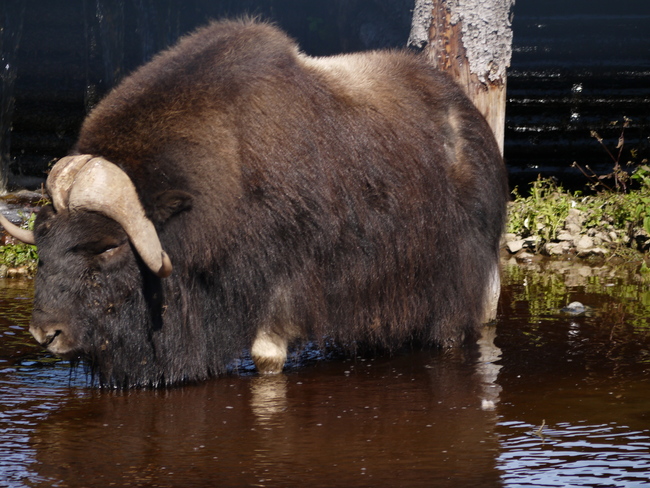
{"x": 51, "y": 336}
{"x": 38, "y": 333}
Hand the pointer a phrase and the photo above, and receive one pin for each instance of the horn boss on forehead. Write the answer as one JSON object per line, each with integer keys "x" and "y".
{"x": 78, "y": 183}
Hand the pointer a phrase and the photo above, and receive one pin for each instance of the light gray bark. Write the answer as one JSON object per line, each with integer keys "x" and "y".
{"x": 486, "y": 32}
{"x": 421, "y": 23}
{"x": 487, "y": 35}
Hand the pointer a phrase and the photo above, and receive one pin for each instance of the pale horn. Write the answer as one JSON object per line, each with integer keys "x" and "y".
{"x": 94, "y": 184}
{"x": 24, "y": 235}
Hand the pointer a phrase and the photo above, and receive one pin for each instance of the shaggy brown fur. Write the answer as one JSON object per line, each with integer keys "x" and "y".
{"x": 359, "y": 198}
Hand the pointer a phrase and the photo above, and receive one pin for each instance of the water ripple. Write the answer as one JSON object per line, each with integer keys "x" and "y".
{"x": 567, "y": 455}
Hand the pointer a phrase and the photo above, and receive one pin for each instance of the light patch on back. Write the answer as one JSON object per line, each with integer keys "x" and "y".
{"x": 367, "y": 77}
{"x": 452, "y": 147}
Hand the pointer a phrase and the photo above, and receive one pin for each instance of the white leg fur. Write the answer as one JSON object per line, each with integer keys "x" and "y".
{"x": 492, "y": 295}
{"x": 269, "y": 352}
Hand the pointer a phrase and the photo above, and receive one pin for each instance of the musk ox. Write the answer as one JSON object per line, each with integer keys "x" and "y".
{"x": 236, "y": 193}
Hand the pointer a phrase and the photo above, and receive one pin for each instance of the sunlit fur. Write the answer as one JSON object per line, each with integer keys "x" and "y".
{"x": 359, "y": 198}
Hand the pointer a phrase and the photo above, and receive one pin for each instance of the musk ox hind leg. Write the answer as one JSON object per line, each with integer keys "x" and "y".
{"x": 492, "y": 294}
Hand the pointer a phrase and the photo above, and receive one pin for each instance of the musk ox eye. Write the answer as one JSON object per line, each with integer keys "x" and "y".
{"x": 109, "y": 250}
{"x": 105, "y": 247}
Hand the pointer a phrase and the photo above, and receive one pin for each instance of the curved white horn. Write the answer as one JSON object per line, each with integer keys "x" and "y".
{"x": 61, "y": 177}
{"x": 24, "y": 235}
{"x": 95, "y": 184}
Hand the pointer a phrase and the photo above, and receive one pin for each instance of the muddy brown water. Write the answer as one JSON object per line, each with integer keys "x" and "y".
{"x": 545, "y": 400}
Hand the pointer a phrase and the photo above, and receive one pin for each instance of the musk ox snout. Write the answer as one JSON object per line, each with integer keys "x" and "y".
{"x": 55, "y": 335}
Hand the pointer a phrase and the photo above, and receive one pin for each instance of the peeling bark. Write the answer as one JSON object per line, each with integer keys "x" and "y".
{"x": 472, "y": 40}
{"x": 419, "y": 36}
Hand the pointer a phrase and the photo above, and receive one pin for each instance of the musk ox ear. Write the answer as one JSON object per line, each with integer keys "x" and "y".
{"x": 43, "y": 222}
{"x": 170, "y": 203}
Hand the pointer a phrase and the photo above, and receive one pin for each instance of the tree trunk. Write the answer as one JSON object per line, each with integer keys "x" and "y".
{"x": 472, "y": 40}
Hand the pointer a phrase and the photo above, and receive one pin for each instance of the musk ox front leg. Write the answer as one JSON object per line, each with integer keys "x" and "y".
{"x": 277, "y": 330}
{"x": 269, "y": 352}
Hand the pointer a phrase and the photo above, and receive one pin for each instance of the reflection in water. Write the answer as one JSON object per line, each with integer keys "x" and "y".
{"x": 16, "y": 298}
{"x": 613, "y": 453}
{"x": 585, "y": 377}
{"x": 487, "y": 368}
{"x": 415, "y": 419}
{"x": 468, "y": 418}
{"x": 268, "y": 398}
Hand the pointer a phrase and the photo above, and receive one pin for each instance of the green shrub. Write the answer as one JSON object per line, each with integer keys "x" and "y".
{"x": 19, "y": 254}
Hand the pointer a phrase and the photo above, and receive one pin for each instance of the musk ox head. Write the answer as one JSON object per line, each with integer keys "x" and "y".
{"x": 101, "y": 264}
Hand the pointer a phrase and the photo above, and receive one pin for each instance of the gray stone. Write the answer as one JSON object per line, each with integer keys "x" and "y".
{"x": 603, "y": 236}
{"x": 515, "y": 246}
{"x": 525, "y": 257}
{"x": 565, "y": 235}
{"x": 583, "y": 243}
{"x": 575, "y": 216}
{"x": 574, "y": 308}
{"x": 574, "y": 229}
{"x": 557, "y": 248}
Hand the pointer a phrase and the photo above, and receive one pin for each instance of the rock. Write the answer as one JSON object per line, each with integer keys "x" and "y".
{"x": 573, "y": 229}
{"x": 557, "y": 248}
{"x": 525, "y": 257}
{"x": 573, "y": 222}
{"x": 19, "y": 272}
{"x": 515, "y": 246}
{"x": 574, "y": 308}
{"x": 531, "y": 242}
{"x": 575, "y": 216}
{"x": 603, "y": 236}
{"x": 583, "y": 243}
{"x": 565, "y": 235}
{"x": 592, "y": 251}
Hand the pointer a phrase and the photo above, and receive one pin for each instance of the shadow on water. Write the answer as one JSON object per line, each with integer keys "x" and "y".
{"x": 562, "y": 401}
